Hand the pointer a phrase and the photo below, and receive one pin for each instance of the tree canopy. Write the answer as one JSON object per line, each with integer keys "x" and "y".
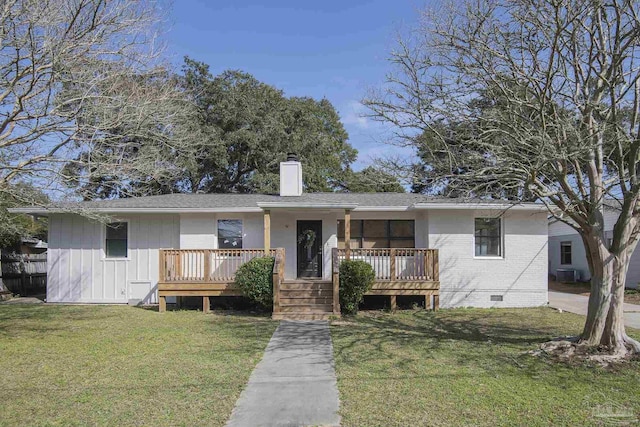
{"x": 240, "y": 131}
{"x": 74, "y": 75}
{"x": 533, "y": 100}
{"x": 14, "y": 227}
{"x": 371, "y": 180}
{"x": 250, "y": 128}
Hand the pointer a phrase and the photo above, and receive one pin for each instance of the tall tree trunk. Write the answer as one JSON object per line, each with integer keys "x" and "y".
{"x": 605, "y": 315}
{"x": 614, "y": 336}
{"x": 601, "y": 269}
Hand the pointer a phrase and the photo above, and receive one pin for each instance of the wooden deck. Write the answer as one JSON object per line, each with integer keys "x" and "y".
{"x": 399, "y": 272}
{"x": 211, "y": 272}
{"x": 201, "y": 273}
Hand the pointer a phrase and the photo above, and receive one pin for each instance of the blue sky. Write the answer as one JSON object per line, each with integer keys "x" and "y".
{"x": 333, "y": 49}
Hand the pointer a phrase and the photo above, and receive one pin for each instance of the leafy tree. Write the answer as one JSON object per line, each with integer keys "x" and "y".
{"x": 237, "y": 131}
{"x": 370, "y": 180}
{"x": 251, "y": 126}
{"x": 562, "y": 122}
{"x": 14, "y": 227}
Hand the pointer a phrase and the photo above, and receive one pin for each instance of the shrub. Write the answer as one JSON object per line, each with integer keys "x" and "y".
{"x": 255, "y": 280}
{"x": 356, "y": 278}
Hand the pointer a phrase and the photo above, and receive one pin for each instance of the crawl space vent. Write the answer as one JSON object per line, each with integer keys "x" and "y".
{"x": 496, "y": 297}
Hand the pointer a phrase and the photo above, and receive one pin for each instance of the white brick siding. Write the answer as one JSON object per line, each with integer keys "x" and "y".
{"x": 520, "y": 276}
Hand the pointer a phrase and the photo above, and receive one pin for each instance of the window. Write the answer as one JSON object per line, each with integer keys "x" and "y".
{"x": 565, "y": 253}
{"x": 488, "y": 237}
{"x": 116, "y": 240}
{"x": 230, "y": 234}
{"x": 379, "y": 233}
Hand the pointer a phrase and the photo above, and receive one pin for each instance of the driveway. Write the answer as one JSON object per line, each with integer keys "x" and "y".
{"x": 578, "y": 304}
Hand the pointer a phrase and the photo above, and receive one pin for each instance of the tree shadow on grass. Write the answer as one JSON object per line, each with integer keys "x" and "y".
{"x": 490, "y": 339}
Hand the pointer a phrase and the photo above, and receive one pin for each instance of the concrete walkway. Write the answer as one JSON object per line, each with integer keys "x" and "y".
{"x": 578, "y": 304}
{"x": 295, "y": 382}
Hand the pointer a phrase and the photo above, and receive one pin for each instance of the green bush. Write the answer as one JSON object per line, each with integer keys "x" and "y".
{"x": 356, "y": 278}
{"x": 255, "y": 279}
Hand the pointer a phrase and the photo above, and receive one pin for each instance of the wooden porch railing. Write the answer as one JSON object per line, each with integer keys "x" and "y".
{"x": 204, "y": 272}
{"x": 278, "y": 278}
{"x": 398, "y": 264}
{"x": 399, "y": 271}
{"x": 204, "y": 265}
{"x": 335, "y": 280}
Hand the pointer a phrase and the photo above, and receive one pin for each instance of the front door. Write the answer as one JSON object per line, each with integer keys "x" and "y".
{"x": 309, "y": 251}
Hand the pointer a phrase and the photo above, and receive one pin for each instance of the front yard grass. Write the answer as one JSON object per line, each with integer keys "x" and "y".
{"x": 470, "y": 367}
{"x": 108, "y": 365}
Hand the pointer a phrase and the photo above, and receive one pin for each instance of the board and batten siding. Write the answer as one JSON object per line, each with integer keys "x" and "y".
{"x": 519, "y": 277}
{"x": 79, "y": 272}
{"x": 200, "y": 231}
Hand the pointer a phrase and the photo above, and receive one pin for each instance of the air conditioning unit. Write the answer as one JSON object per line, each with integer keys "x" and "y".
{"x": 566, "y": 275}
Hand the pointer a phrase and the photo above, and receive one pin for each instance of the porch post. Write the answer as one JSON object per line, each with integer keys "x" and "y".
{"x": 347, "y": 234}
{"x": 267, "y": 231}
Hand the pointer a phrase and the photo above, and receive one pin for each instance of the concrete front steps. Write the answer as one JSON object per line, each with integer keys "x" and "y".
{"x": 305, "y": 300}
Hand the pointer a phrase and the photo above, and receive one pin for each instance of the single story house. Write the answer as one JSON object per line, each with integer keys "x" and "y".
{"x": 567, "y": 255}
{"x": 466, "y": 253}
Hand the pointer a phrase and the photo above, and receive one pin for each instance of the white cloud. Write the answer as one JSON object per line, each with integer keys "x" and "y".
{"x": 354, "y": 115}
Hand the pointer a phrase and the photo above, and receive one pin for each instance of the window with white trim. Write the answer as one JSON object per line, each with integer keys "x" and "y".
{"x": 379, "y": 233}
{"x": 116, "y": 240}
{"x": 488, "y": 237}
{"x": 230, "y": 233}
{"x": 565, "y": 253}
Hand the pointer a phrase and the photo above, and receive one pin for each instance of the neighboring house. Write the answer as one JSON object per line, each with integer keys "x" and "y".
{"x": 31, "y": 245}
{"x": 480, "y": 254}
{"x": 567, "y": 252}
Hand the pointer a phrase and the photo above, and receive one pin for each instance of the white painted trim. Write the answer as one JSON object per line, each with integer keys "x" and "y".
{"x": 295, "y": 205}
{"x": 45, "y": 212}
{"x": 484, "y": 206}
{"x": 242, "y": 233}
{"x": 382, "y": 208}
{"x": 103, "y": 242}
{"x": 502, "y": 240}
{"x": 260, "y": 206}
{"x": 563, "y": 242}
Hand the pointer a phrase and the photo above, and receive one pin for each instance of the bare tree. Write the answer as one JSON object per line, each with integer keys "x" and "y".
{"x": 549, "y": 95}
{"x": 82, "y": 82}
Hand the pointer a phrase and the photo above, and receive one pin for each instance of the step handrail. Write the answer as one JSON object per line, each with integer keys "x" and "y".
{"x": 278, "y": 277}
{"x": 335, "y": 279}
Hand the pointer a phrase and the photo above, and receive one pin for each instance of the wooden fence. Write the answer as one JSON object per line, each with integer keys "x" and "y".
{"x": 25, "y": 274}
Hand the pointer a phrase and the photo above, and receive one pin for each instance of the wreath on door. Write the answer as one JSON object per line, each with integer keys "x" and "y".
{"x": 307, "y": 238}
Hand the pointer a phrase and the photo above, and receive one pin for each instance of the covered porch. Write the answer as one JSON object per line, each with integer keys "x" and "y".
{"x": 311, "y": 242}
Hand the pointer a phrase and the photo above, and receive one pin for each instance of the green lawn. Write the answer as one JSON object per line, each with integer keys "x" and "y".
{"x": 469, "y": 367}
{"x": 106, "y": 365}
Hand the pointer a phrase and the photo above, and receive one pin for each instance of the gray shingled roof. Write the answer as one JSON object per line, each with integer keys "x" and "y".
{"x": 204, "y": 201}
{"x": 189, "y": 202}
